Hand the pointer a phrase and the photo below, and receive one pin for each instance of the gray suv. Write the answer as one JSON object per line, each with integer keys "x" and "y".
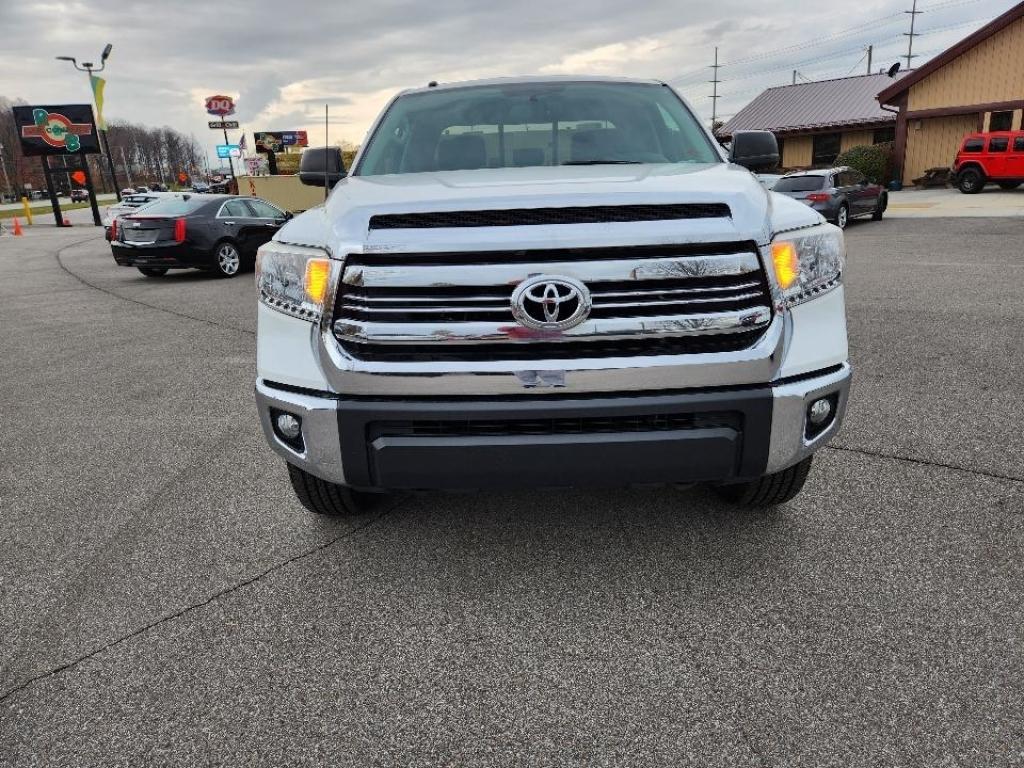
{"x": 838, "y": 194}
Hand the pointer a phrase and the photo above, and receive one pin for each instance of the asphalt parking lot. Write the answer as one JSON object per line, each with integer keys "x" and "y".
{"x": 165, "y": 600}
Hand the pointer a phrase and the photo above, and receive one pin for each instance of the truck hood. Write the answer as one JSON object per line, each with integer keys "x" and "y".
{"x": 343, "y": 223}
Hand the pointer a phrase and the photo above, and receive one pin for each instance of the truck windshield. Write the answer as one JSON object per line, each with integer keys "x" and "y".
{"x": 535, "y": 124}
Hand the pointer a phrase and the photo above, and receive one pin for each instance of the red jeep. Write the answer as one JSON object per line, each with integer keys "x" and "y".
{"x": 985, "y": 157}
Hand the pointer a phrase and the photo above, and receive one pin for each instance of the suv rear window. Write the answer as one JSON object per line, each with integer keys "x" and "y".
{"x": 799, "y": 184}
{"x": 974, "y": 145}
{"x": 1018, "y": 144}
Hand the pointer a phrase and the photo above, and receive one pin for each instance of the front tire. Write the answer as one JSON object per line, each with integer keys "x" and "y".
{"x": 970, "y": 181}
{"x": 769, "y": 490}
{"x": 331, "y": 499}
{"x": 880, "y": 206}
{"x": 843, "y": 217}
{"x": 153, "y": 271}
{"x": 227, "y": 259}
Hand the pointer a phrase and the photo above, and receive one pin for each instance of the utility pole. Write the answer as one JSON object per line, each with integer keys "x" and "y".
{"x": 127, "y": 170}
{"x": 3, "y": 166}
{"x": 871, "y": 50}
{"x": 911, "y": 35}
{"x": 794, "y": 77}
{"x": 714, "y": 90}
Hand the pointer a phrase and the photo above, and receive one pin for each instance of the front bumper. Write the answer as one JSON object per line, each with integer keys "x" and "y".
{"x": 721, "y": 434}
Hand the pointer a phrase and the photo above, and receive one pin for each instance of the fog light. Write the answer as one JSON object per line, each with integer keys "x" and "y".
{"x": 288, "y": 426}
{"x": 819, "y": 411}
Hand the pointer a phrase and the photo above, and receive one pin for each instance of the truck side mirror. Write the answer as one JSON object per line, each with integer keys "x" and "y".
{"x": 754, "y": 150}
{"x": 321, "y": 167}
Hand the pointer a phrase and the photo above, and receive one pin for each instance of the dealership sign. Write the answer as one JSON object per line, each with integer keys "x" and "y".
{"x": 228, "y": 150}
{"x": 275, "y": 141}
{"x": 220, "y": 105}
{"x": 56, "y": 130}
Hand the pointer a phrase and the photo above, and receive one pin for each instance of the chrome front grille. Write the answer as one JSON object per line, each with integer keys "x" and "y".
{"x": 646, "y": 300}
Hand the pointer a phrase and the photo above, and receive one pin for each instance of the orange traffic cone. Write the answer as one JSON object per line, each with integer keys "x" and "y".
{"x": 17, "y": 227}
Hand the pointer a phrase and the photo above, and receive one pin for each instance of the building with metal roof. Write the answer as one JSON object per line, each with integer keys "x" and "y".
{"x": 975, "y": 85}
{"x": 816, "y": 121}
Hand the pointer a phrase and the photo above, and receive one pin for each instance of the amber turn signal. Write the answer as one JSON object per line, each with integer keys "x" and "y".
{"x": 318, "y": 272}
{"x": 787, "y": 265}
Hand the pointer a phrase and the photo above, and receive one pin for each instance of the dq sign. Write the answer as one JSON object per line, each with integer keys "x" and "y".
{"x": 56, "y": 130}
{"x": 220, "y": 105}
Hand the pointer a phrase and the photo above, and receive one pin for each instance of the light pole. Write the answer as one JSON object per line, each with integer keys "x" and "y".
{"x": 87, "y": 66}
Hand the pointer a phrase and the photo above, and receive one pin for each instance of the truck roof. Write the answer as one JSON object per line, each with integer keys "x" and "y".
{"x": 515, "y": 80}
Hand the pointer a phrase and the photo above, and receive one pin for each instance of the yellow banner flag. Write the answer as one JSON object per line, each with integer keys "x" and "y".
{"x": 97, "y": 92}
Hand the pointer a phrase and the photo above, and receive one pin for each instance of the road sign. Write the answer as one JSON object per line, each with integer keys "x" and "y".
{"x": 182, "y": 177}
{"x": 219, "y": 125}
{"x": 228, "y": 150}
{"x": 220, "y": 105}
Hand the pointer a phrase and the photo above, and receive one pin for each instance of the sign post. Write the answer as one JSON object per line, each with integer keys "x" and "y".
{"x": 222, "y": 106}
{"x": 66, "y": 129}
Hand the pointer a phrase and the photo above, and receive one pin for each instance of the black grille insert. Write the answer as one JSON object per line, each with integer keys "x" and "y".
{"x": 518, "y": 217}
{"x": 555, "y": 350}
{"x": 580, "y": 425}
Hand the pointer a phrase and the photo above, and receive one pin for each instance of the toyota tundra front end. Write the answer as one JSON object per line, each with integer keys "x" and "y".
{"x": 549, "y": 282}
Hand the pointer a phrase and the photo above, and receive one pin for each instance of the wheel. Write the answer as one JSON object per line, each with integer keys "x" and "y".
{"x": 970, "y": 181}
{"x": 229, "y": 260}
{"x": 843, "y": 217}
{"x": 331, "y": 499}
{"x": 153, "y": 271}
{"x": 880, "y": 206}
{"x": 1009, "y": 184}
{"x": 776, "y": 488}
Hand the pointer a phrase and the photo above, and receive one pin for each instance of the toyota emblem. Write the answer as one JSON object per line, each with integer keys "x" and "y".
{"x": 551, "y": 303}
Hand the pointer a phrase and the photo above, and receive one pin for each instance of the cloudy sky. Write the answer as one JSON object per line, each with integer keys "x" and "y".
{"x": 284, "y": 60}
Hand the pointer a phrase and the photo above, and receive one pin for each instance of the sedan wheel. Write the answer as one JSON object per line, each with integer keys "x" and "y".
{"x": 229, "y": 260}
{"x": 843, "y": 217}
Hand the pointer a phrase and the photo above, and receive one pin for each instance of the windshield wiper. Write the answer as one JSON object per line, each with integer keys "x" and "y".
{"x": 601, "y": 162}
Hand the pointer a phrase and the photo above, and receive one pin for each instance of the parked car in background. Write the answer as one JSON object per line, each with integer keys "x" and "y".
{"x": 158, "y": 187}
{"x": 838, "y": 194}
{"x": 768, "y": 180}
{"x": 127, "y": 191}
{"x": 130, "y": 204}
{"x": 142, "y": 188}
{"x": 79, "y": 195}
{"x": 990, "y": 157}
{"x": 201, "y": 187}
{"x": 218, "y": 233}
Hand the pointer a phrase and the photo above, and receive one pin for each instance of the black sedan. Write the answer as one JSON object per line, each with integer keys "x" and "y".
{"x": 218, "y": 233}
{"x": 838, "y": 194}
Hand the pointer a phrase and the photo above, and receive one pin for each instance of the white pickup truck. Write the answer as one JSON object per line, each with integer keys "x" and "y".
{"x": 549, "y": 282}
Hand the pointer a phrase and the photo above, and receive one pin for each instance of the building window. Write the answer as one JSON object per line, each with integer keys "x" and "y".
{"x": 883, "y": 135}
{"x": 825, "y": 148}
{"x": 1000, "y": 121}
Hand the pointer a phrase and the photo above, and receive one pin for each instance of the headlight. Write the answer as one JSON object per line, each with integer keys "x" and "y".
{"x": 294, "y": 279}
{"x": 808, "y": 262}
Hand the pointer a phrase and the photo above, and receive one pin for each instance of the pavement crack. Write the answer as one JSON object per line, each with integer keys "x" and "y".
{"x": 58, "y": 254}
{"x": 202, "y": 603}
{"x": 926, "y": 463}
